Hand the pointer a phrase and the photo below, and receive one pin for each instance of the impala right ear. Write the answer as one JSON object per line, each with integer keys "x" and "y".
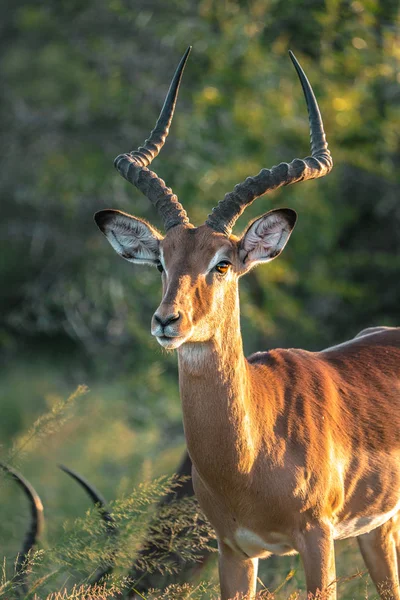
{"x": 132, "y": 238}
{"x": 266, "y": 237}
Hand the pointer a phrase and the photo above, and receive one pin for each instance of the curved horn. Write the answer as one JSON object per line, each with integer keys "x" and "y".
{"x": 132, "y": 166}
{"x": 228, "y": 210}
{"x": 36, "y": 524}
{"x": 99, "y": 501}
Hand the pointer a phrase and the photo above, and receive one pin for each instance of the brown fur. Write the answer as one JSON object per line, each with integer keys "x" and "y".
{"x": 290, "y": 449}
{"x": 285, "y": 442}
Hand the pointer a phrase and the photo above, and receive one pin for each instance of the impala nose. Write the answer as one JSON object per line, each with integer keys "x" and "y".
{"x": 164, "y": 321}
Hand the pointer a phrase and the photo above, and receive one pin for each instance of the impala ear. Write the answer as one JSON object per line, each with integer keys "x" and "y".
{"x": 133, "y": 239}
{"x": 266, "y": 237}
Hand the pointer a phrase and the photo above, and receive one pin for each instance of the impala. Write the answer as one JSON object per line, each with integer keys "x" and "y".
{"x": 290, "y": 449}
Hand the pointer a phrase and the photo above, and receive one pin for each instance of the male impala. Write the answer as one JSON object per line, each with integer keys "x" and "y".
{"x": 291, "y": 449}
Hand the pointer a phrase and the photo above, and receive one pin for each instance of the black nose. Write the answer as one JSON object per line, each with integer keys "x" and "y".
{"x": 164, "y": 321}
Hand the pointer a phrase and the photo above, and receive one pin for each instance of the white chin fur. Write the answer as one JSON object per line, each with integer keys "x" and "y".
{"x": 171, "y": 343}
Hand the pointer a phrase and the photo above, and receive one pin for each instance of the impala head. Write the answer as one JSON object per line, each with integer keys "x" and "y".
{"x": 200, "y": 266}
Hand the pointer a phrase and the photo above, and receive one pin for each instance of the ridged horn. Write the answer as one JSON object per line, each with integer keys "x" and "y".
{"x": 133, "y": 166}
{"x": 228, "y": 210}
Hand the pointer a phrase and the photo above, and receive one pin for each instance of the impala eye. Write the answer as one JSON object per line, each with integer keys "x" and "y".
{"x": 223, "y": 267}
{"x": 160, "y": 267}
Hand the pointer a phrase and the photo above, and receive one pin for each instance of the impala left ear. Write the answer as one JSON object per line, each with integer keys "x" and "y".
{"x": 132, "y": 238}
{"x": 266, "y": 237}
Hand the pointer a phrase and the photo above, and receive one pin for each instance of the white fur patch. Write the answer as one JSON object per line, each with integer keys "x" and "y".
{"x": 162, "y": 261}
{"x": 257, "y": 547}
{"x": 220, "y": 255}
{"x": 194, "y": 357}
{"x": 361, "y": 525}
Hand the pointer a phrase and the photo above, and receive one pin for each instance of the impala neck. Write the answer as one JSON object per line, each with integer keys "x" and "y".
{"x": 214, "y": 386}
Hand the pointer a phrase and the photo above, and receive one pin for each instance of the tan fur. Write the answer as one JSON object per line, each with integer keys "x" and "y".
{"x": 290, "y": 448}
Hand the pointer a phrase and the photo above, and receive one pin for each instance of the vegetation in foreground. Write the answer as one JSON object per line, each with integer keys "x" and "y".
{"x": 81, "y": 82}
{"x": 73, "y": 548}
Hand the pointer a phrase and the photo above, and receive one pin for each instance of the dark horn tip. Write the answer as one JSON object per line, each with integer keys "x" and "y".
{"x": 95, "y": 496}
{"x": 308, "y": 92}
{"x": 182, "y": 63}
{"x": 184, "y": 58}
{"x": 295, "y": 62}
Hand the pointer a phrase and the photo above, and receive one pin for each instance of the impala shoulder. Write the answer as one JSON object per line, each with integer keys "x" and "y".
{"x": 287, "y": 369}
{"x": 283, "y": 357}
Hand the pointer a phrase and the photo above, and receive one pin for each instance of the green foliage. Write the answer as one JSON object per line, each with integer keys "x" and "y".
{"x": 46, "y": 425}
{"x": 88, "y": 544}
{"x": 83, "y": 82}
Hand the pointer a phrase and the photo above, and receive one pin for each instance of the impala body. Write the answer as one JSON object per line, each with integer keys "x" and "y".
{"x": 290, "y": 449}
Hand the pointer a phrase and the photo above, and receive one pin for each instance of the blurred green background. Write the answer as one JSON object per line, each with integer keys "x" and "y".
{"x": 83, "y": 81}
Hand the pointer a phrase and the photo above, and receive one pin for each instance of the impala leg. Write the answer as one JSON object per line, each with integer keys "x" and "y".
{"x": 396, "y": 536}
{"x": 237, "y": 574}
{"x": 317, "y": 554}
{"x": 380, "y": 556}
